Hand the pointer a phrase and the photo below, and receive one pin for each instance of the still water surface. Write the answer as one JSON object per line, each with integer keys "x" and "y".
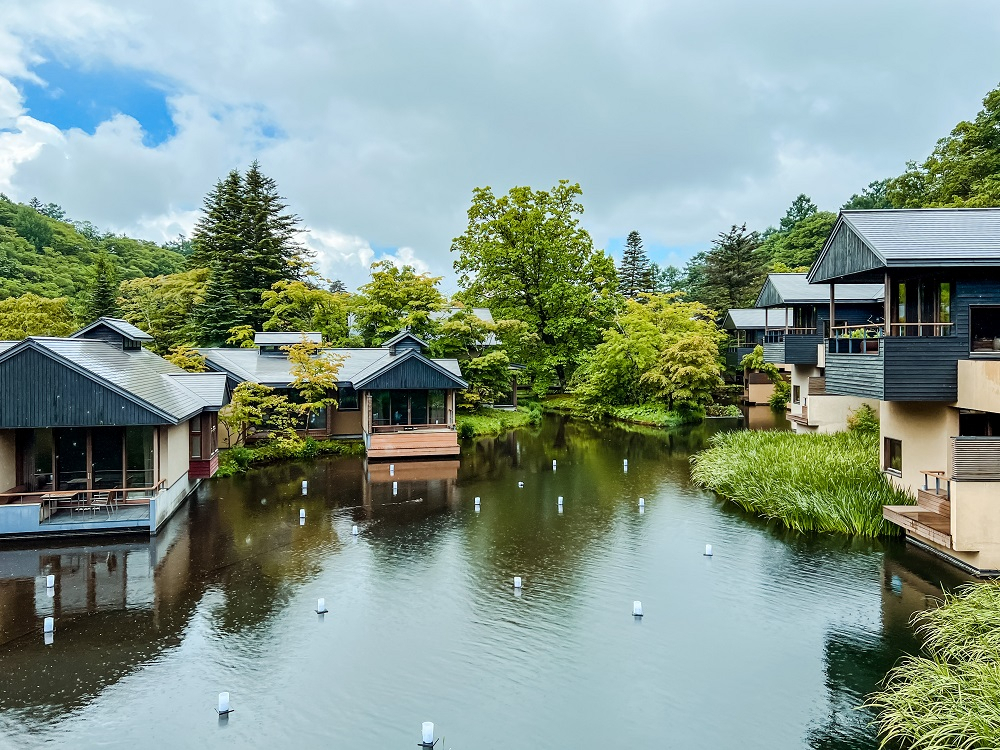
{"x": 771, "y": 643}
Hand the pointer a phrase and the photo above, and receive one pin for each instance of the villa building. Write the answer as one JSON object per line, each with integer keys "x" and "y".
{"x": 797, "y": 322}
{"x": 933, "y": 366}
{"x": 746, "y": 327}
{"x": 98, "y": 434}
{"x": 397, "y": 399}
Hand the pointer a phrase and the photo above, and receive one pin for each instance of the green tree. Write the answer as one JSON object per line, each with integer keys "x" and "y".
{"x": 462, "y": 334}
{"x": 635, "y": 274}
{"x": 396, "y": 299}
{"x": 186, "y": 358}
{"x": 31, "y": 315}
{"x": 802, "y": 208}
{"x": 219, "y": 310}
{"x": 242, "y": 337}
{"x": 489, "y": 379}
{"x": 103, "y": 297}
{"x": 667, "y": 280}
{"x": 255, "y": 408}
{"x": 163, "y": 306}
{"x": 526, "y": 254}
{"x": 873, "y": 196}
{"x": 801, "y": 244}
{"x": 33, "y": 226}
{"x": 733, "y": 270}
{"x": 314, "y": 375}
{"x": 296, "y": 306}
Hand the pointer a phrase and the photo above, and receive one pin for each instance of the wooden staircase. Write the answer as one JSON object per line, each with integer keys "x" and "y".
{"x": 929, "y": 519}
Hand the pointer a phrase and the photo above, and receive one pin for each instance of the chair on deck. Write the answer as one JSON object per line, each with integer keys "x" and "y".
{"x": 102, "y": 500}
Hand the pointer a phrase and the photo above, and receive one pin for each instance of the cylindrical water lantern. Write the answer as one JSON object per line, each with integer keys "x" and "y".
{"x": 427, "y": 734}
{"x": 395, "y": 488}
{"x": 637, "y": 609}
{"x": 520, "y": 484}
{"x": 642, "y": 502}
{"x": 49, "y": 625}
{"x": 305, "y": 487}
{"x": 354, "y": 531}
{"x": 302, "y": 522}
{"x": 708, "y": 550}
{"x": 302, "y": 512}
{"x": 223, "y": 708}
{"x": 477, "y": 500}
{"x": 392, "y": 470}
{"x": 50, "y": 581}
{"x": 553, "y": 464}
{"x": 517, "y": 582}
{"x": 321, "y": 607}
{"x": 49, "y": 638}
{"x": 625, "y": 464}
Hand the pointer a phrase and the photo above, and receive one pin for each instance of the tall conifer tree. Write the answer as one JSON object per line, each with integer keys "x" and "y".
{"x": 102, "y": 299}
{"x": 635, "y": 275}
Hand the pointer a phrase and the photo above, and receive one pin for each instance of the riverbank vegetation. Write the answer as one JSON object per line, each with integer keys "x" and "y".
{"x": 239, "y": 459}
{"x": 812, "y": 482}
{"x": 950, "y": 696}
{"x": 486, "y": 421}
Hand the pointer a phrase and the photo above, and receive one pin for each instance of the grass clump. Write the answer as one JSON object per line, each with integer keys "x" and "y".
{"x": 653, "y": 415}
{"x": 949, "y": 698}
{"x": 496, "y": 421}
{"x": 812, "y": 482}
{"x": 239, "y": 459}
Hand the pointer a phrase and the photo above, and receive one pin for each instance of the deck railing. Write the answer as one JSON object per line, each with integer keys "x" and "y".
{"x": 866, "y": 338}
{"x": 83, "y": 498}
{"x": 777, "y": 335}
{"x": 382, "y": 428}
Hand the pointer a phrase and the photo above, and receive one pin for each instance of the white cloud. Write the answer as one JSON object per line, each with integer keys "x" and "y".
{"x": 678, "y": 119}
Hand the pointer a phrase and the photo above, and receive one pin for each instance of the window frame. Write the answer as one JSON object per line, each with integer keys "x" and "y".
{"x": 887, "y": 456}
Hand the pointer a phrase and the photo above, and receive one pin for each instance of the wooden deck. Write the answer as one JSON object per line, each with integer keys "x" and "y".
{"x": 418, "y": 443}
{"x": 920, "y": 522}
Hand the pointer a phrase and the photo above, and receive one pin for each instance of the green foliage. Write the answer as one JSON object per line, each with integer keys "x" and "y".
{"x": 723, "y": 410}
{"x": 781, "y": 396}
{"x": 636, "y": 273}
{"x": 873, "y": 196}
{"x": 864, "y": 419}
{"x": 963, "y": 170}
{"x": 656, "y": 415}
{"x": 489, "y": 379}
{"x": 248, "y": 240}
{"x": 242, "y": 337}
{"x": 732, "y": 270}
{"x": 495, "y": 421}
{"x": 755, "y": 362}
{"x": 527, "y": 254}
{"x": 800, "y": 245}
{"x": 31, "y": 315}
{"x": 163, "y": 306}
{"x": 663, "y": 350}
{"x": 239, "y": 459}
{"x": 396, "y": 299}
{"x": 297, "y": 306}
{"x": 102, "y": 299}
{"x": 813, "y": 482}
{"x": 186, "y": 358}
{"x": 255, "y": 408}
{"x": 314, "y": 375}
{"x": 949, "y": 697}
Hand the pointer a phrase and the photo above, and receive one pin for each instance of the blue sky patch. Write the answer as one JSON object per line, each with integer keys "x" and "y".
{"x": 74, "y": 97}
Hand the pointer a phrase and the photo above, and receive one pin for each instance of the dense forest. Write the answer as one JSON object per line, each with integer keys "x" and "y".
{"x": 617, "y": 336}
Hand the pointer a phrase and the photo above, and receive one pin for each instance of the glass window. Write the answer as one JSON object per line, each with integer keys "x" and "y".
{"x": 418, "y": 407}
{"x": 139, "y": 456}
{"x": 380, "y": 408}
{"x": 347, "y": 398}
{"x": 984, "y": 322}
{"x": 196, "y": 423}
{"x": 71, "y": 458}
{"x": 106, "y": 457}
{"x": 41, "y": 467}
{"x": 796, "y": 393}
{"x": 317, "y": 419}
{"x": 894, "y": 455}
{"x": 436, "y": 407}
{"x": 399, "y": 404}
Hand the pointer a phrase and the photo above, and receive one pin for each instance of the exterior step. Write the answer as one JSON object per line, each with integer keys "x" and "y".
{"x": 936, "y": 502}
{"x": 414, "y": 444}
{"x": 920, "y": 522}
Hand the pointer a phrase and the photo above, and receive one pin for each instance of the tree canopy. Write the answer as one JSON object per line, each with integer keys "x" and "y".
{"x": 636, "y": 275}
{"x": 396, "y": 298}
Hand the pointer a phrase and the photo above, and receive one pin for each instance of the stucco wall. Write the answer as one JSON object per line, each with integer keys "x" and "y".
{"x": 800, "y": 378}
{"x": 174, "y": 460}
{"x": 923, "y": 427}
{"x": 830, "y": 413}
{"x": 8, "y": 460}
{"x": 345, "y": 422}
{"x": 759, "y": 393}
{"x": 979, "y": 384}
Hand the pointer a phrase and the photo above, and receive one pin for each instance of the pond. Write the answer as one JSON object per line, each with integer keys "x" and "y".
{"x": 770, "y": 643}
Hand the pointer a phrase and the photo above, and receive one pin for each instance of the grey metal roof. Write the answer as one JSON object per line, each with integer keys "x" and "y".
{"x": 210, "y": 387}
{"x": 782, "y": 289}
{"x": 5, "y": 345}
{"x": 285, "y": 338}
{"x": 140, "y": 375}
{"x": 748, "y": 318}
{"x": 121, "y": 326}
{"x": 358, "y": 364}
{"x": 921, "y": 237}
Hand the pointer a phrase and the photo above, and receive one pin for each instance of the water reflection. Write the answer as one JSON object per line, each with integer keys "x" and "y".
{"x": 786, "y": 631}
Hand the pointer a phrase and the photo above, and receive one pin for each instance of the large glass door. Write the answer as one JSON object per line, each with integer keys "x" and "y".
{"x": 400, "y": 401}
{"x": 71, "y": 458}
{"x": 418, "y": 407}
{"x": 106, "y": 458}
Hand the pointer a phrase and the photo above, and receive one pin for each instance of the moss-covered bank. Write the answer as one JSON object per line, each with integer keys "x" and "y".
{"x": 496, "y": 421}
{"x": 239, "y": 459}
{"x": 651, "y": 415}
{"x": 807, "y": 482}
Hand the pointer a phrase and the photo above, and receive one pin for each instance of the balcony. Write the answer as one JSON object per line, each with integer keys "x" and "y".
{"x": 919, "y": 365}
{"x": 792, "y": 346}
{"x": 736, "y": 352}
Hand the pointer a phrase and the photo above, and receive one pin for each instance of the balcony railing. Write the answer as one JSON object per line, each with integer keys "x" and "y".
{"x": 383, "y": 428}
{"x": 975, "y": 459}
{"x": 76, "y": 498}
{"x": 777, "y": 335}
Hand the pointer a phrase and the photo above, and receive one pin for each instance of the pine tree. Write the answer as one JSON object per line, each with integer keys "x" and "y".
{"x": 219, "y": 312}
{"x": 635, "y": 275}
{"x": 102, "y": 299}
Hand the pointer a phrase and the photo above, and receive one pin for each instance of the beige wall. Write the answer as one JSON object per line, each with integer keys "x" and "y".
{"x": 830, "y": 413}
{"x": 8, "y": 460}
{"x": 924, "y": 429}
{"x": 979, "y": 384}
{"x": 800, "y": 378}
{"x": 345, "y": 422}
{"x": 759, "y": 393}
{"x": 174, "y": 458}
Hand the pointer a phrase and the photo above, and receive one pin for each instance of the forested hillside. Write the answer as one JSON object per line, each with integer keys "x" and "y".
{"x": 43, "y": 252}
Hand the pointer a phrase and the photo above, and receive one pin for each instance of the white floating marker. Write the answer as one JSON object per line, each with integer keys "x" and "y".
{"x": 637, "y": 609}
{"x": 302, "y": 512}
{"x": 395, "y": 488}
{"x": 642, "y": 502}
{"x": 625, "y": 465}
{"x": 427, "y": 734}
{"x": 553, "y": 464}
{"x": 50, "y": 581}
{"x": 392, "y": 470}
{"x": 224, "y": 708}
{"x": 49, "y": 625}
{"x": 302, "y": 522}
{"x": 708, "y": 550}
{"x": 321, "y": 607}
{"x": 517, "y": 582}
{"x": 520, "y": 484}
{"x": 49, "y": 638}
{"x": 354, "y": 531}
{"x": 477, "y": 501}
{"x": 305, "y": 487}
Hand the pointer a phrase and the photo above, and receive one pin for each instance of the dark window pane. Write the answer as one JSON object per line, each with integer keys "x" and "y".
{"x": 400, "y": 407}
{"x": 106, "y": 456}
{"x": 418, "y": 407}
{"x": 347, "y": 398}
{"x": 435, "y": 407}
{"x": 139, "y": 456}
{"x": 71, "y": 458}
{"x": 894, "y": 455}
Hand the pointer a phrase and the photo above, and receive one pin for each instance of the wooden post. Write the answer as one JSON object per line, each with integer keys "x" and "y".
{"x": 833, "y": 309}
{"x": 887, "y": 326}
{"x": 786, "y": 320}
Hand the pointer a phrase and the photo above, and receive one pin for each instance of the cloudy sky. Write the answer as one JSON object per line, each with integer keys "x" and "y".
{"x": 678, "y": 117}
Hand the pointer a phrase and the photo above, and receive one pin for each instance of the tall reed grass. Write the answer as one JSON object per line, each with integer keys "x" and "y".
{"x": 807, "y": 482}
{"x": 949, "y": 698}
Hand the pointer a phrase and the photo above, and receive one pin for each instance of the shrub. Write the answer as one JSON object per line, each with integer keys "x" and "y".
{"x": 466, "y": 431}
{"x": 782, "y": 394}
{"x": 863, "y": 419}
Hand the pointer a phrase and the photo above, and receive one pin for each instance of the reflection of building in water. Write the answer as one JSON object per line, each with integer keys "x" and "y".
{"x": 431, "y": 484}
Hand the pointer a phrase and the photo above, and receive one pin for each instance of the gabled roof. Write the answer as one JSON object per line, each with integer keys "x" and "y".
{"x": 140, "y": 376}
{"x": 382, "y": 367}
{"x": 123, "y": 327}
{"x": 863, "y": 241}
{"x": 749, "y": 318}
{"x": 403, "y": 336}
{"x": 286, "y": 338}
{"x": 783, "y": 289}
